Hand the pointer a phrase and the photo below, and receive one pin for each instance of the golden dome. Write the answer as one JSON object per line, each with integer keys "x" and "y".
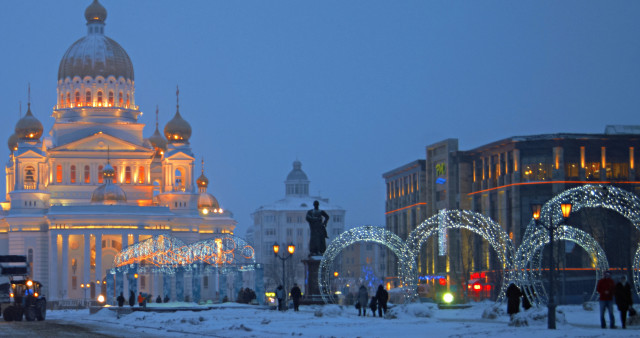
{"x": 206, "y": 200}
{"x": 177, "y": 129}
{"x": 202, "y": 181}
{"x": 95, "y": 12}
{"x": 28, "y": 127}
{"x": 13, "y": 143}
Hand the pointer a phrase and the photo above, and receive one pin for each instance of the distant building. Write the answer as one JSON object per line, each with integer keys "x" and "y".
{"x": 284, "y": 222}
{"x": 502, "y": 180}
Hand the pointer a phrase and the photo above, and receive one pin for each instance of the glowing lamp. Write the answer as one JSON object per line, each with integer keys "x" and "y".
{"x": 97, "y": 282}
{"x": 535, "y": 209}
{"x": 447, "y": 298}
{"x": 104, "y": 282}
{"x": 566, "y": 209}
{"x": 220, "y": 210}
{"x": 291, "y": 249}
{"x": 135, "y": 275}
{"x": 35, "y": 294}
{"x": 477, "y": 287}
{"x": 11, "y": 295}
{"x": 101, "y": 299}
{"x": 335, "y": 274}
{"x": 442, "y": 281}
{"x": 82, "y": 286}
{"x": 276, "y": 248}
{"x": 29, "y": 283}
{"x": 205, "y": 211}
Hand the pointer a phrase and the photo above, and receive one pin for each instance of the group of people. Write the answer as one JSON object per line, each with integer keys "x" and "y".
{"x": 245, "y": 296}
{"x": 281, "y": 296}
{"x": 621, "y": 292}
{"x": 142, "y": 299}
{"x": 606, "y": 288}
{"x": 379, "y": 301}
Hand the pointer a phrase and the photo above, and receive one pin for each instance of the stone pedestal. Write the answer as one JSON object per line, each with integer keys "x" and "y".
{"x": 311, "y": 288}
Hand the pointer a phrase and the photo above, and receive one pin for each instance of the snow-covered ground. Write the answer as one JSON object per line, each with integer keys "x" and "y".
{"x": 415, "y": 320}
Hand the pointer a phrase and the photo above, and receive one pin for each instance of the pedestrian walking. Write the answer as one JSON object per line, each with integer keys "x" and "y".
{"x": 373, "y": 305}
{"x": 606, "y": 289}
{"x": 140, "y": 300}
{"x": 383, "y": 297}
{"x": 132, "y": 298}
{"x": 120, "y": 300}
{"x": 296, "y": 294}
{"x": 513, "y": 299}
{"x": 623, "y": 299}
{"x": 363, "y": 298}
{"x": 280, "y": 296}
{"x": 159, "y": 299}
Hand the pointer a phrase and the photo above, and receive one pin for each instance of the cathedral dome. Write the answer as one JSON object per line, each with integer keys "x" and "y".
{"x": 158, "y": 141}
{"x": 95, "y": 54}
{"x": 28, "y": 127}
{"x": 206, "y": 200}
{"x": 177, "y": 129}
{"x": 108, "y": 193}
{"x": 296, "y": 173}
{"x": 13, "y": 142}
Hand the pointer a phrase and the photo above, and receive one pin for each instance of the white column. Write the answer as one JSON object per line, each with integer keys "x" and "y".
{"x": 86, "y": 269}
{"x": 99, "y": 271}
{"x": 135, "y": 241}
{"x": 65, "y": 266}
{"x": 53, "y": 268}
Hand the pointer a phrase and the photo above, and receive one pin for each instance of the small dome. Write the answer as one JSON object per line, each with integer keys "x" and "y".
{"x": 177, "y": 129}
{"x": 202, "y": 181}
{"x": 158, "y": 141}
{"x": 95, "y": 12}
{"x": 108, "y": 172}
{"x": 28, "y": 127}
{"x": 297, "y": 174}
{"x": 108, "y": 193}
{"x": 13, "y": 143}
{"x": 206, "y": 200}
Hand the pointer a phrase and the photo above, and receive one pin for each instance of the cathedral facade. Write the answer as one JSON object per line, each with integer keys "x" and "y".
{"x": 95, "y": 185}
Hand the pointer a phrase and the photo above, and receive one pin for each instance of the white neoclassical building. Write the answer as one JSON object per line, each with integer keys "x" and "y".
{"x": 96, "y": 185}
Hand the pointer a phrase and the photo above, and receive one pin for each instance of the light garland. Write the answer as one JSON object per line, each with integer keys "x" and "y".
{"x": 165, "y": 254}
{"x": 587, "y": 196}
{"x": 480, "y": 224}
{"x": 408, "y": 269}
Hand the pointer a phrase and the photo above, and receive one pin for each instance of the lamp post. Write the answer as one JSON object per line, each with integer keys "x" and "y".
{"x": 551, "y": 228}
{"x": 291, "y": 249}
{"x": 85, "y": 287}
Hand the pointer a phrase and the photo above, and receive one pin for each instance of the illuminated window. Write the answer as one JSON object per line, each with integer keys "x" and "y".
{"x": 120, "y": 99}
{"x": 99, "y": 98}
{"x": 87, "y": 176}
{"x": 592, "y": 171}
{"x": 141, "y": 174}
{"x": 29, "y": 174}
{"x": 115, "y": 174}
{"x": 178, "y": 178}
{"x": 77, "y": 98}
{"x": 127, "y": 101}
{"x": 110, "y": 99}
{"x": 72, "y": 175}
{"x": 100, "y": 177}
{"x": 572, "y": 170}
{"x": 88, "y": 98}
{"x": 59, "y": 173}
{"x": 68, "y": 99}
{"x": 127, "y": 175}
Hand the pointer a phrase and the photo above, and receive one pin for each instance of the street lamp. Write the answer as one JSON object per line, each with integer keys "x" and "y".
{"x": 85, "y": 287}
{"x": 551, "y": 228}
{"x": 290, "y": 249}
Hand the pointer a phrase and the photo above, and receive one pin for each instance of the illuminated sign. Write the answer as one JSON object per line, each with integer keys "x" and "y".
{"x": 440, "y": 169}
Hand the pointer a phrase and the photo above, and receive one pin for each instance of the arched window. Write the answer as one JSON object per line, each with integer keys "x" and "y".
{"x": 99, "y": 98}
{"x": 77, "y": 98}
{"x": 87, "y": 174}
{"x": 72, "y": 175}
{"x": 100, "y": 179}
{"x": 127, "y": 174}
{"x": 127, "y": 100}
{"x": 88, "y": 98}
{"x": 62, "y": 99}
{"x": 141, "y": 174}
{"x": 179, "y": 180}
{"x": 120, "y": 99}
{"x": 110, "y": 99}
{"x": 68, "y": 99}
{"x": 59, "y": 173}
{"x": 29, "y": 173}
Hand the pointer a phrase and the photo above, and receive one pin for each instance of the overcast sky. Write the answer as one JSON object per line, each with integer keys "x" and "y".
{"x": 350, "y": 88}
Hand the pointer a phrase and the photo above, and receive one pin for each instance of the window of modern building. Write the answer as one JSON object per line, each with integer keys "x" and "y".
{"x": 618, "y": 171}
{"x": 592, "y": 171}
{"x": 537, "y": 168}
{"x": 87, "y": 174}
{"x": 72, "y": 174}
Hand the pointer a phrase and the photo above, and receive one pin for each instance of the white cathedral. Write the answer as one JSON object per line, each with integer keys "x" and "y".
{"x": 95, "y": 184}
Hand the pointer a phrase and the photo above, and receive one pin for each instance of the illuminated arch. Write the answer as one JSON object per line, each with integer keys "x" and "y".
{"x": 587, "y": 196}
{"x": 479, "y": 224}
{"x": 408, "y": 270}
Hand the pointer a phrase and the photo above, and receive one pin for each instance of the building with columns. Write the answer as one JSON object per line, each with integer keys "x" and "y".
{"x": 95, "y": 184}
{"x": 284, "y": 221}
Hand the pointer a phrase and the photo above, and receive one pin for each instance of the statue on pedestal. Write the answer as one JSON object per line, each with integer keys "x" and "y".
{"x": 318, "y": 225}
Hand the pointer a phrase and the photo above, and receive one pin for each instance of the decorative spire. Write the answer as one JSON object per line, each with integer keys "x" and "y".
{"x": 202, "y": 165}
{"x": 29, "y": 97}
{"x": 157, "y": 111}
{"x": 177, "y": 99}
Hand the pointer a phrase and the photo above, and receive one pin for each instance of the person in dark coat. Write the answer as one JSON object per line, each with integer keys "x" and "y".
{"x": 296, "y": 294}
{"x": 383, "y": 297}
{"x": 166, "y": 299}
{"x": 623, "y": 299}
{"x": 526, "y": 304}
{"x": 159, "y": 299}
{"x": 363, "y": 298}
{"x": 281, "y": 297}
{"x": 373, "y": 305}
{"x": 132, "y": 298}
{"x": 241, "y": 296}
{"x": 606, "y": 288}
{"x": 513, "y": 299}
{"x": 120, "y": 300}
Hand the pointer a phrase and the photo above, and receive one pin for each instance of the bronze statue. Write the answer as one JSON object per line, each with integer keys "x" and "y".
{"x": 318, "y": 225}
